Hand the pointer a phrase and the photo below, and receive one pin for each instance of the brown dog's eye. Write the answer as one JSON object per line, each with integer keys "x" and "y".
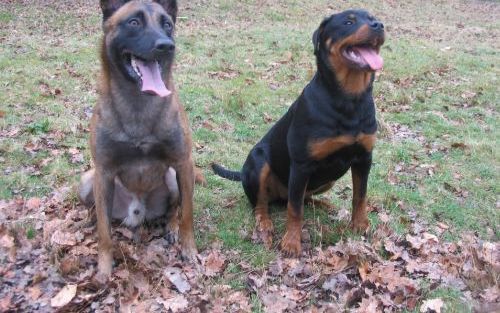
{"x": 167, "y": 26}
{"x": 134, "y": 22}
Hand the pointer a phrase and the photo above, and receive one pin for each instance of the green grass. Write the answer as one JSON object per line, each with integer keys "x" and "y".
{"x": 240, "y": 63}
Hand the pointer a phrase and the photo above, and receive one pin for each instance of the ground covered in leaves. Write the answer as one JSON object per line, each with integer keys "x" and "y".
{"x": 433, "y": 190}
{"x": 382, "y": 272}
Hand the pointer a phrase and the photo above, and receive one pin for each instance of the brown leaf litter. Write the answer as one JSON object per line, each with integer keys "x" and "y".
{"x": 56, "y": 270}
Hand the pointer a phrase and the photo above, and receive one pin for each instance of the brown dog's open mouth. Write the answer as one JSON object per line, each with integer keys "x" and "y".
{"x": 364, "y": 56}
{"x": 149, "y": 73}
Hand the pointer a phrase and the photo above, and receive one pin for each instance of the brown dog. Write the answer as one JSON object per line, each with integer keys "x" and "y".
{"x": 140, "y": 136}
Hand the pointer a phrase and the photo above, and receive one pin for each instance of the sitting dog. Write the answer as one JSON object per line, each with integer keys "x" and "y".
{"x": 139, "y": 130}
{"x": 328, "y": 130}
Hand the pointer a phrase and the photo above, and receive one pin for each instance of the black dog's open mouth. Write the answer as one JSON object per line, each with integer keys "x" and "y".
{"x": 148, "y": 73}
{"x": 364, "y": 56}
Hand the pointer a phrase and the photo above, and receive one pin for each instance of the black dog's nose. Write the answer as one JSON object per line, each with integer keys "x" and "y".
{"x": 376, "y": 25}
{"x": 164, "y": 45}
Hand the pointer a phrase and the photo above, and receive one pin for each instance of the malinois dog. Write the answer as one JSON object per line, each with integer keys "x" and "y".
{"x": 328, "y": 130}
{"x": 140, "y": 139}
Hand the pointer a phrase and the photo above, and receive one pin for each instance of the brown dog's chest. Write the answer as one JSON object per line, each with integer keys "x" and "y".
{"x": 122, "y": 149}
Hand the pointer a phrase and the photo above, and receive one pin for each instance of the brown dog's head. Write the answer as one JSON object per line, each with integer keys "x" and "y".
{"x": 138, "y": 42}
{"x": 348, "y": 43}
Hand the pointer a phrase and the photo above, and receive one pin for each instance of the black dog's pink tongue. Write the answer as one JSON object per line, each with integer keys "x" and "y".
{"x": 371, "y": 57}
{"x": 151, "y": 78}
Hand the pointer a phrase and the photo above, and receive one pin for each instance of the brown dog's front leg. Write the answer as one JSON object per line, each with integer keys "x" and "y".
{"x": 360, "y": 172}
{"x": 297, "y": 185}
{"x": 104, "y": 187}
{"x": 185, "y": 179}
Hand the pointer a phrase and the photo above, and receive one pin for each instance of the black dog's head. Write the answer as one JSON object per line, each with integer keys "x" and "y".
{"x": 349, "y": 43}
{"x": 138, "y": 41}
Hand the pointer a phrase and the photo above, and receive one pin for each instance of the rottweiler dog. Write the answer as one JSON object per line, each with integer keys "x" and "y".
{"x": 139, "y": 135}
{"x": 328, "y": 130}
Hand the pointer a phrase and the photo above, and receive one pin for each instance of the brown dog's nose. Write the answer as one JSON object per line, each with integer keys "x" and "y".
{"x": 376, "y": 25}
{"x": 164, "y": 45}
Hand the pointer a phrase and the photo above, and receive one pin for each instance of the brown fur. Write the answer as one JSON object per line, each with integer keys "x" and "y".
{"x": 320, "y": 149}
{"x": 353, "y": 81}
{"x": 359, "y": 221}
{"x": 161, "y": 132}
{"x": 291, "y": 244}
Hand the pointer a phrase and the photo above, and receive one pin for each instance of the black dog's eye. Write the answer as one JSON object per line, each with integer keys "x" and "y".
{"x": 134, "y": 22}
{"x": 348, "y": 23}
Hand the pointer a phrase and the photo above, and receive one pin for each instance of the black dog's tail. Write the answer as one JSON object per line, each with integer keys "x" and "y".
{"x": 225, "y": 173}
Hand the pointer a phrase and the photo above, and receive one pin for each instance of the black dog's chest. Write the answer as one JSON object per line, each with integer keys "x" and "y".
{"x": 334, "y": 166}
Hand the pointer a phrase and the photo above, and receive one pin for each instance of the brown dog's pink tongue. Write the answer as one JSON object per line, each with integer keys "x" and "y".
{"x": 151, "y": 78}
{"x": 371, "y": 57}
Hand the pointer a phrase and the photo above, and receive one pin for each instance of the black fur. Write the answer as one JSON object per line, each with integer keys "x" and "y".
{"x": 225, "y": 173}
{"x": 323, "y": 110}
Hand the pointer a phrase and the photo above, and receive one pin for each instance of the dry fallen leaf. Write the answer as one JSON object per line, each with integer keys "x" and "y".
{"x": 33, "y": 203}
{"x": 177, "y": 278}
{"x": 434, "y": 305}
{"x": 6, "y": 241}
{"x": 64, "y": 296}
{"x": 214, "y": 263}
{"x": 176, "y": 303}
{"x": 5, "y": 303}
{"x": 62, "y": 238}
{"x": 491, "y": 294}
{"x": 35, "y": 292}
{"x": 368, "y": 305}
{"x": 275, "y": 303}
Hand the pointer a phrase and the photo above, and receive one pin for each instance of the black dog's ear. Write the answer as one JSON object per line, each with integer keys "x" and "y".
{"x": 316, "y": 40}
{"x": 317, "y": 34}
{"x": 109, "y": 7}
{"x": 170, "y": 7}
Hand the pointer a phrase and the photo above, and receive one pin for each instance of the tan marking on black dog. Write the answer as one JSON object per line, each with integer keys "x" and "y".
{"x": 367, "y": 141}
{"x": 359, "y": 219}
{"x": 353, "y": 81}
{"x": 263, "y": 223}
{"x": 320, "y": 149}
{"x": 291, "y": 244}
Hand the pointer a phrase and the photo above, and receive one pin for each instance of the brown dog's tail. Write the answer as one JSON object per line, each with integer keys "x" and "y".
{"x": 225, "y": 173}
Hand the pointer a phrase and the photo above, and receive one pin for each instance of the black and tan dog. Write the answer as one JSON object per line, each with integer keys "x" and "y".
{"x": 328, "y": 130}
{"x": 140, "y": 138}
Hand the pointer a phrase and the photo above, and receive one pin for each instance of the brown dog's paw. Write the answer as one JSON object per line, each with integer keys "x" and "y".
{"x": 188, "y": 248}
{"x": 263, "y": 231}
{"x": 360, "y": 225}
{"x": 104, "y": 266}
{"x": 291, "y": 245}
{"x": 172, "y": 231}
{"x": 189, "y": 254}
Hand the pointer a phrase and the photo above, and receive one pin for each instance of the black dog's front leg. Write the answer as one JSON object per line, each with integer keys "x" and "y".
{"x": 297, "y": 185}
{"x": 360, "y": 171}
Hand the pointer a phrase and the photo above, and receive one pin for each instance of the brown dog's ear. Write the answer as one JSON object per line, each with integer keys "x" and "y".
{"x": 170, "y": 7}
{"x": 317, "y": 34}
{"x": 109, "y": 7}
